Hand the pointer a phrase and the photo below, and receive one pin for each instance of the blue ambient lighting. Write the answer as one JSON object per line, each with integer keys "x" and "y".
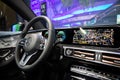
{"x": 63, "y": 17}
{"x": 67, "y": 25}
{"x": 77, "y": 23}
{"x": 97, "y": 8}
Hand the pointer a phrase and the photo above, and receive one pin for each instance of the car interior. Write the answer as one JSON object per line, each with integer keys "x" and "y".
{"x": 59, "y": 39}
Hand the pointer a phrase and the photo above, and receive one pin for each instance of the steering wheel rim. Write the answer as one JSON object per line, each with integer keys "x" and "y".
{"x": 45, "y": 52}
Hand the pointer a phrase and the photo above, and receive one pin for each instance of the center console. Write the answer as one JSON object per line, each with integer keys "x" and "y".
{"x": 86, "y": 61}
{"x": 93, "y": 54}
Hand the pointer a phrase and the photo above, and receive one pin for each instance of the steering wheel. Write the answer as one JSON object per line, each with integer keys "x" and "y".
{"x": 29, "y": 45}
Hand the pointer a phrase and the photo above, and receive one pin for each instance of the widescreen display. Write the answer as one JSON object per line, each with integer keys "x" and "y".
{"x": 98, "y": 37}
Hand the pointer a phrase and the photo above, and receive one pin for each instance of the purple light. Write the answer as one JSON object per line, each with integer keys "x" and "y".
{"x": 76, "y": 12}
{"x": 67, "y": 25}
{"x": 63, "y": 17}
{"x": 35, "y": 6}
{"x": 79, "y": 18}
{"x": 97, "y": 8}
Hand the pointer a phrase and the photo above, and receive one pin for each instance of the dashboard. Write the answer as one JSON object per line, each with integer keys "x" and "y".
{"x": 87, "y": 51}
{"x": 91, "y": 53}
{"x": 104, "y": 36}
{"x": 8, "y": 42}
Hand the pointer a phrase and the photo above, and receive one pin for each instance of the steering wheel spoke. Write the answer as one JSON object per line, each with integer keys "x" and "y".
{"x": 22, "y": 42}
{"x": 26, "y": 58}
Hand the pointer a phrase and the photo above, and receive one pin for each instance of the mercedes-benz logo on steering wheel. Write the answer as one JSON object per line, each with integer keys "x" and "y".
{"x": 28, "y": 41}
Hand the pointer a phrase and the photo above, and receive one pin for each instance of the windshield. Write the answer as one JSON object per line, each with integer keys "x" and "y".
{"x": 74, "y": 13}
{"x": 64, "y": 13}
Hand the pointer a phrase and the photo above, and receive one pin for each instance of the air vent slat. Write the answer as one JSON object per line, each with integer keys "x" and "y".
{"x": 101, "y": 56}
{"x": 80, "y": 54}
{"x": 4, "y": 52}
{"x": 112, "y": 59}
{"x": 109, "y": 57}
{"x": 110, "y": 62}
{"x": 86, "y": 53}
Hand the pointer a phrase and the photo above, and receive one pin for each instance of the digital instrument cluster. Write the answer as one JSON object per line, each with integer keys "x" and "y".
{"x": 60, "y": 36}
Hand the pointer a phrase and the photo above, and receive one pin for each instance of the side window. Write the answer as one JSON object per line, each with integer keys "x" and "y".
{"x": 9, "y": 19}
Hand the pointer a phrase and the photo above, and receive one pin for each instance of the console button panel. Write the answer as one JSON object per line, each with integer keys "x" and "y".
{"x": 84, "y": 73}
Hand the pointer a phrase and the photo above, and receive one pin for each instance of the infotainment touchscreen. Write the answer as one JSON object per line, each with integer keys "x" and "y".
{"x": 97, "y": 36}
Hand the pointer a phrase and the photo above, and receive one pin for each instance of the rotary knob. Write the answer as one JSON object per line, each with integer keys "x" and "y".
{"x": 69, "y": 52}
